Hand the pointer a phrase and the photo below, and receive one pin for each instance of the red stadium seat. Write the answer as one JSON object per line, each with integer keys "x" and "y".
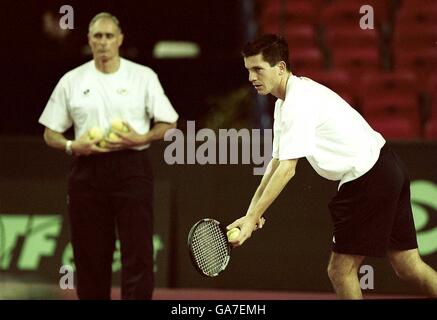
{"x": 422, "y": 62}
{"x": 355, "y": 37}
{"x": 431, "y": 87}
{"x": 347, "y": 13}
{"x": 422, "y": 13}
{"x": 337, "y": 80}
{"x": 395, "y": 129}
{"x": 413, "y": 4}
{"x": 393, "y": 112}
{"x": 389, "y": 84}
{"x": 300, "y": 36}
{"x": 296, "y": 13}
{"x": 271, "y": 27}
{"x": 305, "y": 59}
{"x": 431, "y": 129}
{"x": 433, "y": 111}
{"x": 407, "y": 37}
{"x": 319, "y": 5}
{"x": 356, "y": 60}
{"x": 279, "y": 27}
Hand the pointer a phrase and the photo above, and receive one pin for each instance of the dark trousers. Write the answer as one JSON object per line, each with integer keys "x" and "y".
{"x": 110, "y": 196}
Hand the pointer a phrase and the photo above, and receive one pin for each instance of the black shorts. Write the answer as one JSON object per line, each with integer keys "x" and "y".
{"x": 372, "y": 214}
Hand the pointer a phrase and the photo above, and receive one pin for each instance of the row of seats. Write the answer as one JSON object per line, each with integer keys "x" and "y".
{"x": 340, "y": 42}
{"x": 395, "y": 103}
{"x": 273, "y": 13}
{"x": 358, "y": 60}
{"x": 387, "y": 72}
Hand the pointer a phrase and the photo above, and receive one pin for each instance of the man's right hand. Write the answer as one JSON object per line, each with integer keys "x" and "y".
{"x": 247, "y": 225}
{"x": 85, "y": 146}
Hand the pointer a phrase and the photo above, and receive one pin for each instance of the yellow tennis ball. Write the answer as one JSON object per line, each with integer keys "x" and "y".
{"x": 113, "y": 137}
{"x": 118, "y": 124}
{"x": 233, "y": 234}
{"x": 95, "y": 133}
{"x": 102, "y": 144}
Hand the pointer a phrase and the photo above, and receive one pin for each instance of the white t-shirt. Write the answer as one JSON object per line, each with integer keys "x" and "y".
{"x": 316, "y": 123}
{"x": 86, "y": 97}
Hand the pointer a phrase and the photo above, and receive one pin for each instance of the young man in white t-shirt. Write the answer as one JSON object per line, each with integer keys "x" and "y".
{"x": 110, "y": 187}
{"x": 371, "y": 212}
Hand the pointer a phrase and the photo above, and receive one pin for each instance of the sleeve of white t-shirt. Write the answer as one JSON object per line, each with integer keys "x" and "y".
{"x": 157, "y": 103}
{"x": 55, "y": 115}
{"x": 276, "y": 133}
{"x": 297, "y": 130}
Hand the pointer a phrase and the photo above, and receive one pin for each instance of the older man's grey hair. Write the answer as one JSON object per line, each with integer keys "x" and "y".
{"x": 104, "y": 15}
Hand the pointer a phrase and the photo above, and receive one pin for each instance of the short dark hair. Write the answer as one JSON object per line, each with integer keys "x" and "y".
{"x": 104, "y": 15}
{"x": 273, "y": 48}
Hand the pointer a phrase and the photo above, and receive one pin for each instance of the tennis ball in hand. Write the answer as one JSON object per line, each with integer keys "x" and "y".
{"x": 233, "y": 234}
{"x": 113, "y": 137}
{"x": 102, "y": 144}
{"x": 95, "y": 133}
{"x": 118, "y": 124}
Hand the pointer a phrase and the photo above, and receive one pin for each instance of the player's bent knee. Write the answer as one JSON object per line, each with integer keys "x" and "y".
{"x": 407, "y": 265}
{"x": 408, "y": 271}
{"x": 332, "y": 274}
{"x": 408, "y": 274}
{"x": 337, "y": 272}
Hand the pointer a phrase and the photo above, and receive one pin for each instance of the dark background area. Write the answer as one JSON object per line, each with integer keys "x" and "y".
{"x": 33, "y": 63}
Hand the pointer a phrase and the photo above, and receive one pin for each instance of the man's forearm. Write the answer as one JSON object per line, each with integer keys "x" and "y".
{"x": 54, "y": 139}
{"x": 158, "y": 131}
{"x": 271, "y": 167}
{"x": 279, "y": 179}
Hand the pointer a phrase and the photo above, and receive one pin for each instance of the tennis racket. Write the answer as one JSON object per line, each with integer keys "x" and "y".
{"x": 209, "y": 248}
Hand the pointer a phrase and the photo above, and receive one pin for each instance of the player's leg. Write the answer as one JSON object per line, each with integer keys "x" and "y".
{"x": 410, "y": 267}
{"x": 403, "y": 253}
{"x": 363, "y": 212}
{"x": 343, "y": 273}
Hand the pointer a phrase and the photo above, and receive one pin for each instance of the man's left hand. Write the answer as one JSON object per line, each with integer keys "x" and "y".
{"x": 125, "y": 140}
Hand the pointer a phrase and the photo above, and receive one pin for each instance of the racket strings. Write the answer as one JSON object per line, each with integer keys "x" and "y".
{"x": 210, "y": 248}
